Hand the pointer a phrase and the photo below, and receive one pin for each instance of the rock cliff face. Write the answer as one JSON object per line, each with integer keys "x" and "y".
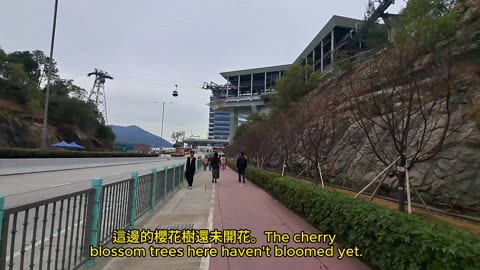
{"x": 452, "y": 178}
{"x": 19, "y": 130}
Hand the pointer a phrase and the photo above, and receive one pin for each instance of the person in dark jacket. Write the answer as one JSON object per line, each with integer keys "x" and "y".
{"x": 215, "y": 162}
{"x": 241, "y": 166}
{"x": 190, "y": 168}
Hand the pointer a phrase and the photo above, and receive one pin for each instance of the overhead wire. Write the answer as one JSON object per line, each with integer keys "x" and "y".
{"x": 83, "y": 81}
{"x": 137, "y": 33}
{"x": 134, "y": 77}
{"x": 131, "y": 77}
{"x": 161, "y": 82}
{"x": 121, "y": 77}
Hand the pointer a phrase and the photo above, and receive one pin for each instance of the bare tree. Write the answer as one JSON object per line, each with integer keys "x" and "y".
{"x": 318, "y": 125}
{"x": 401, "y": 100}
{"x": 257, "y": 142}
{"x": 285, "y": 135}
{"x": 176, "y": 135}
{"x": 266, "y": 145}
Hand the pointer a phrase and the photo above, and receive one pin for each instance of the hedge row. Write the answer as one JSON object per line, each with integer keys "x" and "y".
{"x": 386, "y": 238}
{"x": 36, "y": 153}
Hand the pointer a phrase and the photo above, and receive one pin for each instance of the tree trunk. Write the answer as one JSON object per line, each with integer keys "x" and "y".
{"x": 401, "y": 184}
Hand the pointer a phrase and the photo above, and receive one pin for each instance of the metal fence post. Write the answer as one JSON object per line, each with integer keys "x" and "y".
{"x": 177, "y": 169}
{"x": 182, "y": 171}
{"x": 2, "y": 212}
{"x": 165, "y": 181}
{"x": 133, "y": 207}
{"x": 95, "y": 217}
{"x": 177, "y": 174}
{"x": 154, "y": 190}
{"x": 173, "y": 180}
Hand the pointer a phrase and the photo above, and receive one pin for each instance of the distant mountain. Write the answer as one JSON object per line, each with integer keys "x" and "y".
{"x": 137, "y": 135}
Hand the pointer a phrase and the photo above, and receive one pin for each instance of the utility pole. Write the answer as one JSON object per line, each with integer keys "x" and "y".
{"x": 47, "y": 93}
{"x": 161, "y": 132}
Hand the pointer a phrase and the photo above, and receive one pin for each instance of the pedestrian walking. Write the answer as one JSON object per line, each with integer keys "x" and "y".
{"x": 215, "y": 163}
{"x": 241, "y": 166}
{"x": 223, "y": 162}
{"x": 205, "y": 163}
{"x": 190, "y": 169}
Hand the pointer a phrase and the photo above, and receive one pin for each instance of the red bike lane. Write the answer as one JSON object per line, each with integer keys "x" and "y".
{"x": 246, "y": 206}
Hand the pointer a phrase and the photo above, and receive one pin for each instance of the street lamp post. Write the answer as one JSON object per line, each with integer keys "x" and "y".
{"x": 47, "y": 92}
{"x": 161, "y": 132}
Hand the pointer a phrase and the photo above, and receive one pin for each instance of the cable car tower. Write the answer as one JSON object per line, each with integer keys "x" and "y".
{"x": 97, "y": 94}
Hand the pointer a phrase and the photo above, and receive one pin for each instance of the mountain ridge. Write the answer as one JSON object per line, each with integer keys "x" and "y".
{"x": 133, "y": 134}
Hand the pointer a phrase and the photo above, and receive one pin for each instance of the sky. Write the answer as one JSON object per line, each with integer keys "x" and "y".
{"x": 150, "y": 46}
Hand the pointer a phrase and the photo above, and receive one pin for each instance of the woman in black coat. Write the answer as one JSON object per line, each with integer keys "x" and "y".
{"x": 215, "y": 163}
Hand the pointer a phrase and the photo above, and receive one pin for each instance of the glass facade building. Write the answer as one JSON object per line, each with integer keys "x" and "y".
{"x": 219, "y": 125}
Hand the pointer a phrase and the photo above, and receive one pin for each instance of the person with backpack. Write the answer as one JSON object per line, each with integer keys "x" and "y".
{"x": 241, "y": 166}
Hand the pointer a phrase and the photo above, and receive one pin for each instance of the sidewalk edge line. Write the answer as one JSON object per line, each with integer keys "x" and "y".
{"x": 205, "y": 261}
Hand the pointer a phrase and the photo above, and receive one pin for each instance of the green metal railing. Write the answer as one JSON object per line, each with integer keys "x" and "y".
{"x": 57, "y": 232}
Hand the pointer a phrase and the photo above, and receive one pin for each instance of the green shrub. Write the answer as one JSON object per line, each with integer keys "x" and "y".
{"x": 386, "y": 238}
{"x": 36, "y": 153}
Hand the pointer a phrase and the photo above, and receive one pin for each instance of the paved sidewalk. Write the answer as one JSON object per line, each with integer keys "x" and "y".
{"x": 185, "y": 207}
{"x": 234, "y": 206}
{"x": 246, "y": 206}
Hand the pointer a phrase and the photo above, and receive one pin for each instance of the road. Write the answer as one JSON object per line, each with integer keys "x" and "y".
{"x": 30, "y": 165}
{"x": 63, "y": 240}
{"x": 43, "y": 185}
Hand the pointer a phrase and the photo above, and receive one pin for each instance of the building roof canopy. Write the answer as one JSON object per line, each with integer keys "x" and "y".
{"x": 255, "y": 70}
{"x": 335, "y": 21}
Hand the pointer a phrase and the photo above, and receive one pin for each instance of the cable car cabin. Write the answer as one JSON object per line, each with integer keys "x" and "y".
{"x": 175, "y": 92}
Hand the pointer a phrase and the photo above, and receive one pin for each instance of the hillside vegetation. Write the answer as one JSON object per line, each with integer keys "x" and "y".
{"x": 414, "y": 103}
{"x": 23, "y": 77}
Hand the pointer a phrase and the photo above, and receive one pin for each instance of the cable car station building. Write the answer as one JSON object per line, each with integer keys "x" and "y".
{"x": 248, "y": 90}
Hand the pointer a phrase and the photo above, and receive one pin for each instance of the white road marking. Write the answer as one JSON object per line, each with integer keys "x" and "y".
{"x": 205, "y": 262}
{"x": 59, "y": 185}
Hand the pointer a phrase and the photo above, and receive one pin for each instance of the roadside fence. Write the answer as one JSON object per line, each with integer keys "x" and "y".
{"x": 56, "y": 233}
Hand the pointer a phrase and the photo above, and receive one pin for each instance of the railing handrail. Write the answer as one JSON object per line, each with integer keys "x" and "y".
{"x": 18, "y": 208}
{"x": 85, "y": 217}
{"x": 39, "y": 201}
